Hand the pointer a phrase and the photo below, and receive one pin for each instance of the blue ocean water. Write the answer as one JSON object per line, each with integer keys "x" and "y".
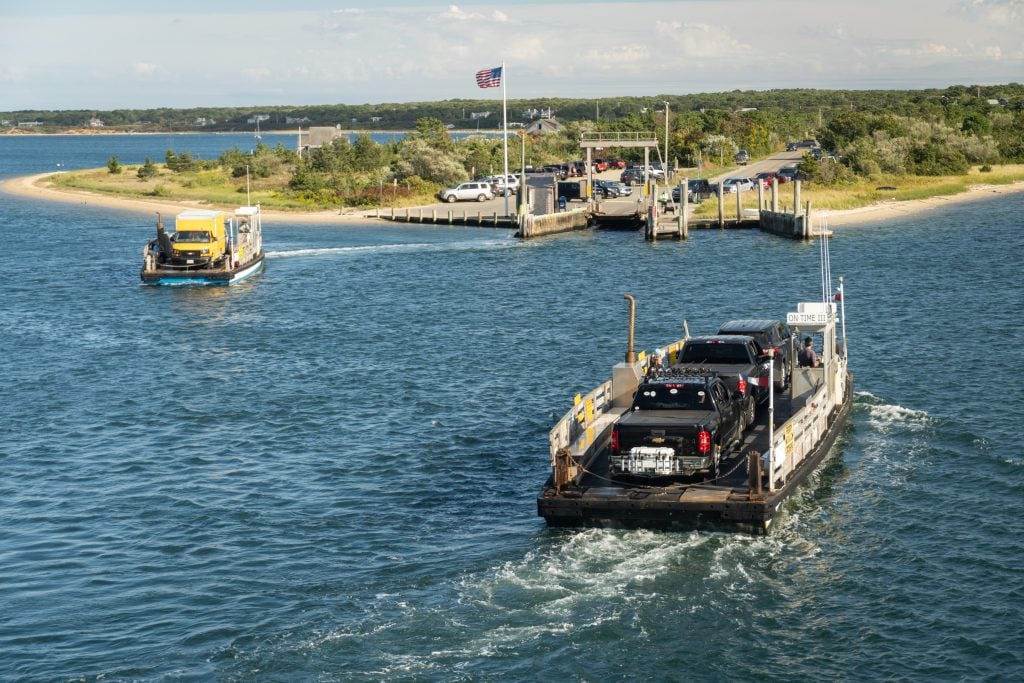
{"x": 328, "y": 472}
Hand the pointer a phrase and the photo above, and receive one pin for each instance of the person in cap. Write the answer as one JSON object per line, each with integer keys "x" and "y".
{"x": 807, "y": 358}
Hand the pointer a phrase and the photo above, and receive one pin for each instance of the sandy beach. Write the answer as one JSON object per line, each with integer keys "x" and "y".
{"x": 30, "y": 186}
{"x": 885, "y": 210}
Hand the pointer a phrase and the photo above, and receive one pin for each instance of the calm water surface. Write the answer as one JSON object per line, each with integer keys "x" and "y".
{"x": 329, "y": 471}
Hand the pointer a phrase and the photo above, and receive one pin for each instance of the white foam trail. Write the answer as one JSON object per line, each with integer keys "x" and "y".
{"x": 883, "y": 415}
{"x": 395, "y": 248}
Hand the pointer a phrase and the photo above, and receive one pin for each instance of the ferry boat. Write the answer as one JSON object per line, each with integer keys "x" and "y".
{"x": 784, "y": 445}
{"x": 206, "y": 247}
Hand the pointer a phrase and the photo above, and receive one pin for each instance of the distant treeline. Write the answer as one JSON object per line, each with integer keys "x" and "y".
{"x": 862, "y": 134}
{"x": 789, "y": 112}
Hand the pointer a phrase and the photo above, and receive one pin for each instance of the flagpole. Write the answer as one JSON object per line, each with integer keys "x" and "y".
{"x": 504, "y": 128}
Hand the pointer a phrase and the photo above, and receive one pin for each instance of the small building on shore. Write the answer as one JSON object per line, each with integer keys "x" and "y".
{"x": 316, "y": 137}
{"x": 543, "y": 127}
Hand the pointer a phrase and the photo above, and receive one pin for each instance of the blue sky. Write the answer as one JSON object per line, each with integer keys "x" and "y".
{"x": 107, "y": 54}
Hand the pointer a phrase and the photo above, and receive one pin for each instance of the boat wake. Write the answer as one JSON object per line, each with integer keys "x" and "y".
{"x": 417, "y": 247}
{"x": 887, "y": 416}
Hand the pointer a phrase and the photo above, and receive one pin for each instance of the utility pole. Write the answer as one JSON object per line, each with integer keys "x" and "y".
{"x": 665, "y": 160}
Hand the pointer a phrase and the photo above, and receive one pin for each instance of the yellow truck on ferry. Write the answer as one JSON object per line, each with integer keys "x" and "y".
{"x": 206, "y": 247}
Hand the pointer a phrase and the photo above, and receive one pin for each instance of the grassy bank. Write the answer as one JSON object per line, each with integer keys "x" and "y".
{"x": 214, "y": 187}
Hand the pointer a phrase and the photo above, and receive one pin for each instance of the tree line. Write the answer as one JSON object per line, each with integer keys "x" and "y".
{"x": 865, "y": 134}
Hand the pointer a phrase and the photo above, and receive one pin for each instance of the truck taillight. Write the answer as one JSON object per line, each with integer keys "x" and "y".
{"x": 703, "y": 441}
{"x": 615, "y": 440}
{"x": 741, "y": 386}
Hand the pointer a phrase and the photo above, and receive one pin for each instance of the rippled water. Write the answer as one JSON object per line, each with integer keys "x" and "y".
{"x": 328, "y": 472}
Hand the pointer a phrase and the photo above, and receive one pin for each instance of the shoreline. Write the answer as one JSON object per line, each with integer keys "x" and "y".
{"x": 893, "y": 208}
{"x": 27, "y": 186}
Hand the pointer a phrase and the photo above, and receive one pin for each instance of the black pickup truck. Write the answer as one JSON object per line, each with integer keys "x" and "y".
{"x": 738, "y": 359}
{"x": 679, "y": 425}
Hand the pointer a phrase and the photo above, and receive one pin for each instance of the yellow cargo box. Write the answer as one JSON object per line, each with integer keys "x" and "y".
{"x": 199, "y": 236}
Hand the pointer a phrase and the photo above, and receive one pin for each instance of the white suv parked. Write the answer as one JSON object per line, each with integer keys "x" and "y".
{"x": 474, "y": 191}
{"x": 498, "y": 185}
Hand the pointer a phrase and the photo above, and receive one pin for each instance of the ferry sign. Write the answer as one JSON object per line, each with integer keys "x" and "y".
{"x": 807, "y": 318}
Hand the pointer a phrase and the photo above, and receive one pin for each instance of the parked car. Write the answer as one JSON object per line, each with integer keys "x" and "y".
{"x": 560, "y": 170}
{"x": 498, "y": 184}
{"x": 609, "y": 189}
{"x": 617, "y": 164}
{"x": 570, "y": 190}
{"x": 657, "y": 172}
{"x": 632, "y": 176}
{"x": 697, "y": 190}
{"x": 477, "y": 190}
{"x": 787, "y": 174}
{"x": 765, "y": 178}
{"x": 599, "y": 165}
{"x": 733, "y": 185}
{"x": 741, "y": 157}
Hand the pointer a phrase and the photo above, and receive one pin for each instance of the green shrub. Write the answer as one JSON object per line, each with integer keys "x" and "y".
{"x": 147, "y": 170}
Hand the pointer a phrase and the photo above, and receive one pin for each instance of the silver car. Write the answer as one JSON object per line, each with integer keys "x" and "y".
{"x": 473, "y": 191}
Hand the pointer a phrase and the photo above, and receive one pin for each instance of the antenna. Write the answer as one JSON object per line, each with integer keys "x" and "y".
{"x": 826, "y": 262}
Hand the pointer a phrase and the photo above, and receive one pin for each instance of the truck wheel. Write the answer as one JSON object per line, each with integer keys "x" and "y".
{"x": 749, "y": 411}
{"x": 450, "y": 199}
{"x": 482, "y": 198}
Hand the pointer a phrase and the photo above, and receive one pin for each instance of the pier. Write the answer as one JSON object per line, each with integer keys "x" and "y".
{"x": 540, "y": 212}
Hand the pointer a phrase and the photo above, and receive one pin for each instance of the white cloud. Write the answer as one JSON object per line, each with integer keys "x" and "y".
{"x": 455, "y": 13}
{"x": 998, "y": 12}
{"x": 260, "y": 73}
{"x": 923, "y": 49}
{"x": 388, "y": 53}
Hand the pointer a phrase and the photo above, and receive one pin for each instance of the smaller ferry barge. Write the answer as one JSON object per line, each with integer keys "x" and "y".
{"x": 757, "y": 472}
{"x": 206, "y": 247}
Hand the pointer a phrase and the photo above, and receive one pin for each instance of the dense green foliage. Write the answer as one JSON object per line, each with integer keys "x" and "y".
{"x": 868, "y": 133}
{"x": 147, "y": 170}
{"x": 114, "y": 166}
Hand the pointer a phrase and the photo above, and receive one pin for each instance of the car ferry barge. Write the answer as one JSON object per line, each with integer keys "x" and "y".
{"x": 788, "y": 440}
{"x": 206, "y": 248}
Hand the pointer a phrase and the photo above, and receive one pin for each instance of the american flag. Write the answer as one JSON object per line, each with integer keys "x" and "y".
{"x": 489, "y": 78}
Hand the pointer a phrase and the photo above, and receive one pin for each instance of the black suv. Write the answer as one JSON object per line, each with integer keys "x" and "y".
{"x": 697, "y": 190}
{"x": 769, "y": 334}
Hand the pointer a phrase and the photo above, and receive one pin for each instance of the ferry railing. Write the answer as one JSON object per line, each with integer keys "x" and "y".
{"x": 573, "y": 438}
{"x": 796, "y": 438}
{"x": 580, "y": 420}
